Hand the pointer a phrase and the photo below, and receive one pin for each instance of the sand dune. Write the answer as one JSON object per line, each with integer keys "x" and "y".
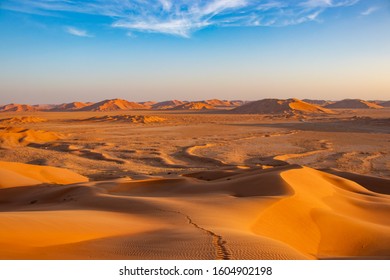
{"x": 319, "y": 102}
{"x": 278, "y": 106}
{"x": 113, "y": 105}
{"x": 149, "y": 104}
{"x": 167, "y": 104}
{"x": 353, "y": 104}
{"x": 289, "y": 212}
{"x": 17, "y": 108}
{"x": 16, "y": 136}
{"x": 129, "y": 118}
{"x": 385, "y": 104}
{"x": 15, "y": 174}
{"x": 264, "y": 106}
{"x": 73, "y": 106}
{"x": 223, "y": 103}
{"x": 194, "y": 106}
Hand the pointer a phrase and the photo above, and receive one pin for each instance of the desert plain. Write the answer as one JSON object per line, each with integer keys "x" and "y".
{"x": 195, "y": 184}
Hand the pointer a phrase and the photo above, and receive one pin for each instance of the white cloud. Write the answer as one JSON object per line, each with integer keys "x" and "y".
{"x": 328, "y": 3}
{"x": 183, "y": 17}
{"x": 174, "y": 27}
{"x": 369, "y": 11}
{"x": 77, "y": 32}
{"x": 166, "y": 4}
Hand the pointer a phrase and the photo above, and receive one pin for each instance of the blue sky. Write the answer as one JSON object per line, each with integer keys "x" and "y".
{"x": 54, "y": 51}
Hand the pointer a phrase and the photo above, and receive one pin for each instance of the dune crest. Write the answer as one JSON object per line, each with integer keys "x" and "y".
{"x": 73, "y": 106}
{"x": 113, "y": 105}
{"x": 167, "y": 104}
{"x": 280, "y": 106}
{"x": 16, "y": 174}
{"x": 194, "y": 106}
{"x": 353, "y": 104}
{"x": 17, "y": 108}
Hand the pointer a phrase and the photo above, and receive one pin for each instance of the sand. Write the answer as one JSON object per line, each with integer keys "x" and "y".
{"x": 21, "y": 120}
{"x": 16, "y": 136}
{"x": 353, "y": 104}
{"x": 17, "y": 108}
{"x": 167, "y": 104}
{"x": 194, "y": 106}
{"x": 73, "y": 106}
{"x": 280, "y": 106}
{"x": 112, "y": 105}
{"x": 96, "y": 185}
{"x": 128, "y": 118}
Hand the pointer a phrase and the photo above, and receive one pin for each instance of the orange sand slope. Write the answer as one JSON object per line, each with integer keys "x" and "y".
{"x": 289, "y": 212}
{"x": 15, "y": 174}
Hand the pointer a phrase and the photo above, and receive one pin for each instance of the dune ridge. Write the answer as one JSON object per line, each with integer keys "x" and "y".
{"x": 16, "y": 174}
{"x": 129, "y": 118}
{"x": 353, "y": 104}
{"x": 167, "y": 104}
{"x": 73, "y": 106}
{"x": 280, "y": 106}
{"x": 194, "y": 106}
{"x": 264, "y": 106}
{"x": 286, "y": 212}
{"x": 113, "y": 105}
{"x": 17, "y": 108}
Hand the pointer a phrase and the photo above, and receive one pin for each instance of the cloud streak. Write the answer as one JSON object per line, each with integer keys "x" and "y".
{"x": 184, "y": 17}
{"x": 369, "y": 11}
{"x": 77, "y": 32}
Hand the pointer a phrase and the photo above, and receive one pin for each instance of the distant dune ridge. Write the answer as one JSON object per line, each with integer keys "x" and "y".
{"x": 224, "y": 103}
{"x": 167, "y": 104}
{"x": 149, "y": 104}
{"x": 129, "y": 118}
{"x": 17, "y": 108}
{"x": 318, "y": 102}
{"x": 279, "y": 106}
{"x": 264, "y": 106}
{"x": 194, "y": 106}
{"x": 353, "y": 104}
{"x": 113, "y": 105}
{"x": 73, "y": 106}
{"x": 385, "y": 104}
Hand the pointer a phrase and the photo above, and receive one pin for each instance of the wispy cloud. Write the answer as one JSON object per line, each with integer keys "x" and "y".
{"x": 183, "y": 17}
{"x": 77, "y": 32}
{"x": 369, "y": 11}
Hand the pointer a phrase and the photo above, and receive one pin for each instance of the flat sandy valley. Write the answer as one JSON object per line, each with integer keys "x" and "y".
{"x": 148, "y": 184}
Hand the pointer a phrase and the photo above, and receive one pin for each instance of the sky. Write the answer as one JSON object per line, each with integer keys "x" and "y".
{"x": 55, "y": 51}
